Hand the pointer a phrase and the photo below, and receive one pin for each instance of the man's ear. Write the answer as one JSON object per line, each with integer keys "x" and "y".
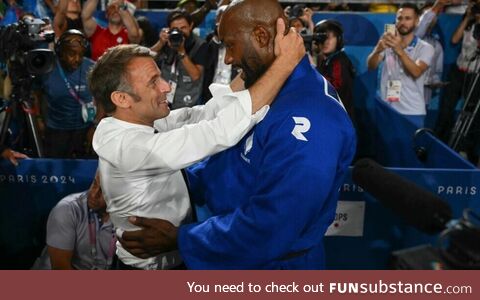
{"x": 120, "y": 99}
{"x": 262, "y": 36}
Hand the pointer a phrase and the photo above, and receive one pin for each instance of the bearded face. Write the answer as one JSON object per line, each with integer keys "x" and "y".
{"x": 406, "y": 21}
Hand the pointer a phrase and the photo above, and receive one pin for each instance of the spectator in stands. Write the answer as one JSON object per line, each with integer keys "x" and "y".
{"x": 334, "y": 64}
{"x": 428, "y": 19}
{"x": 122, "y": 27}
{"x": 11, "y": 155}
{"x": 80, "y": 235}
{"x": 70, "y": 109}
{"x": 182, "y": 59}
{"x": 406, "y": 59}
{"x": 216, "y": 71}
{"x": 134, "y": 157}
{"x": 67, "y": 16}
{"x": 461, "y": 79}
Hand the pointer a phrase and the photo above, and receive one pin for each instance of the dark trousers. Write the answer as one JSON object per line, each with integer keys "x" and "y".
{"x": 460, "y": 85}
{"x": 65, "y": 143}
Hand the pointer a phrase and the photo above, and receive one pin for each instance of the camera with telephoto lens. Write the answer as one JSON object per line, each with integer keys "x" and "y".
{"x": 297, "y": 11}
{"x": 475, "y": 9}
{"x": 316, "y": 37}
{"x": 175, "y": 37}
{"x": 19, "y": 50}
{"x": 18, "y": 43}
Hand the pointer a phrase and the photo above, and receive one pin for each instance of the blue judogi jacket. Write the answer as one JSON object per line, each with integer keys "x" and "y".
{"x": 274, "y": 194}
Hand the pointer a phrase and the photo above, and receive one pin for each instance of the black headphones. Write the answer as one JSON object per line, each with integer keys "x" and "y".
{"x": 66, "y": 34}
{"x": 331, "y": 25}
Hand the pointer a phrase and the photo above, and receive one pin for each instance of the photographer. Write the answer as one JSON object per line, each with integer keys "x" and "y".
{"x": 182, "y": 57}
{"x": 461, "y": 77}
{"x": 333, "y": 63}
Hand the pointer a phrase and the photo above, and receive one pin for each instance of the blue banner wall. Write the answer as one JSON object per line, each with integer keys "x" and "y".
{"x": 28, "y": 193}
{"x": 399, "y": 144}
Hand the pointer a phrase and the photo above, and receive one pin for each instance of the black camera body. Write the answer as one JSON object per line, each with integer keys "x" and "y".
{"x": 175, "y": 37}
{"x": 18, "y": 43}
{"x": 297, "y": 11}
{"x": 316, "y": 37}
{"x": 18, "y": 50}
{"x": 475, "y": 9}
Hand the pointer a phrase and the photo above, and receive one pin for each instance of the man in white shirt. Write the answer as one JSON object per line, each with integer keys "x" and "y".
{"x": 406, "y": 58}
{"x": 140, "y": 169}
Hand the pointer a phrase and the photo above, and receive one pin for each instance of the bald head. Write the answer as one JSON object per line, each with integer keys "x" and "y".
{"x": 247, "y": 29}
{"x": 251, "y": 13}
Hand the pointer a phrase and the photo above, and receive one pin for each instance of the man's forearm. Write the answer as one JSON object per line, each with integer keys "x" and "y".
{"x": 374, "y": 59}
{"x": 89, "y": 23}
{"x": 410, "y": 66}
{"x": 158, "y": 46}
{"x": 132, "y": 26}
{"x": 88, "y": 9}
{"x": 458, "y": 34}
{"x": 192, "y": 69}
{"x": 199, "y": 14}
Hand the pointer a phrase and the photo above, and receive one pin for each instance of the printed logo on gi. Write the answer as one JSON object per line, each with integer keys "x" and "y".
{"x": 248, "y": 145}
{"x": 302, "y": 125}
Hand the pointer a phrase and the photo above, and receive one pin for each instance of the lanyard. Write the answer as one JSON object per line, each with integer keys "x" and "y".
{"x": 68, "y": 85}
{"x": 93, "y": 228}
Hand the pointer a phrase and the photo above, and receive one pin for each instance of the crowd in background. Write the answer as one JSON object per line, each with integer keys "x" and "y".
{"x": 66, "y": 116}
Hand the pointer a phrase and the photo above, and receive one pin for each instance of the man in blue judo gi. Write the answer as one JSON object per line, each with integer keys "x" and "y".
{"x": 274, "y": 194}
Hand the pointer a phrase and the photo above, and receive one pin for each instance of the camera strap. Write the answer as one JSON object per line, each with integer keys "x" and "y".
{"x": 68, "y": 85}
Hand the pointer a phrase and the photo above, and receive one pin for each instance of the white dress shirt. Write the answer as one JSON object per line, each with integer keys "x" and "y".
{"x": 139, "y": 169}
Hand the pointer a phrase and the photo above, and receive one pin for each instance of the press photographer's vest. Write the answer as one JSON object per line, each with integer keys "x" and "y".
{"x": 187, "y": 92}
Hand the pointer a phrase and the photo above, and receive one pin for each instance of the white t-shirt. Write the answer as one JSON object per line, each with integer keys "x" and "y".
{"x": 412, "y": 100}
{"x": 139, "y": 169}
{"x": 469, "y": 58}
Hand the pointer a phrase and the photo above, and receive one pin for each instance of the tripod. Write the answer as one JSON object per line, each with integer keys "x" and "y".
{"x": 21, "y": 100}
{"x": 465, "y": 119}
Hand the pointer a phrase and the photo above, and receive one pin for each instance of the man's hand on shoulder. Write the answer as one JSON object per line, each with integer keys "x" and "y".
{"x": 156, "y": 236}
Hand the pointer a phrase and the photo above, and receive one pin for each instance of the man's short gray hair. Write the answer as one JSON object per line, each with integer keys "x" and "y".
{"x": 109, "y": 74}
